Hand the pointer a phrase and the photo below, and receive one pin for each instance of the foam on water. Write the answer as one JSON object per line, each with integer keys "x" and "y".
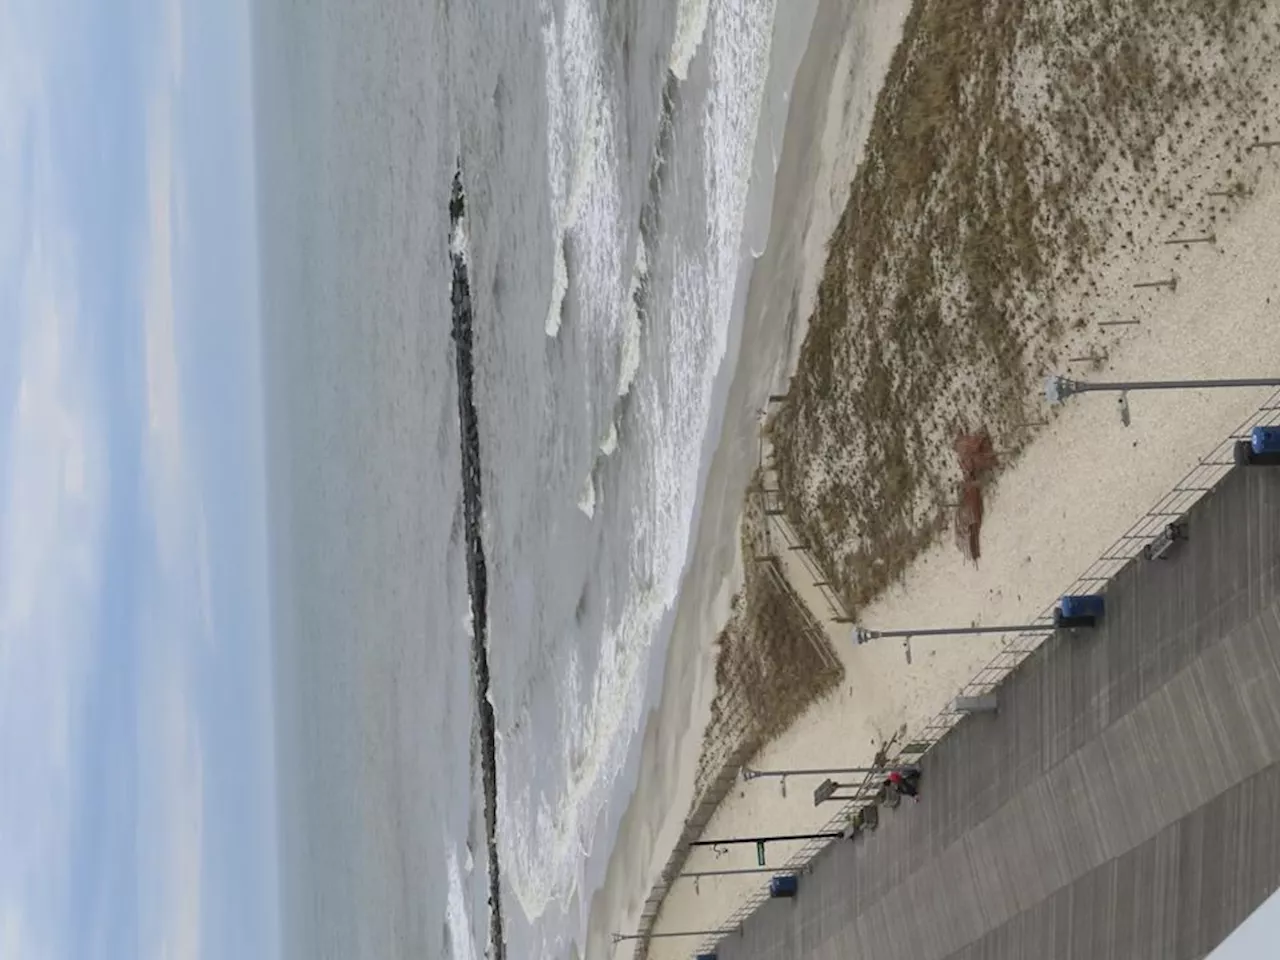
{"x": 610, "y": 442}
{"x": 556, "y": 163}
{"x": 548, "y": 858}
{"x": 691, "y": 24}
{"x": 543, "y": 847}
{"x": 630, "y": 358}
{"x": 740, "y": 58}
{"x": 546, "y": 838}
{"x": 582, "y": 165}
{"x": 458, "y": 241}
{"x": 587, "y": 499}
{"x": 457, "y": 915}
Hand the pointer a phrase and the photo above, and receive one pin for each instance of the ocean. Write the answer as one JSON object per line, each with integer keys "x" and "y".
{"x": 617, "y": 160}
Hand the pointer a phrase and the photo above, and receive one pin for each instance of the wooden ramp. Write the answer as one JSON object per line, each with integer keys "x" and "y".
{"x": 1124, "y": 802}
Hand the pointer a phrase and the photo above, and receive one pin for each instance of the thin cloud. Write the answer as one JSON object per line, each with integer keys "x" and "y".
{"x": 171, "y": 802}
{"x": 173, "y": 488}
{"x": 52, "y": 503}
{"x": 165, "y": 460}
{"x": 178, "y": 603}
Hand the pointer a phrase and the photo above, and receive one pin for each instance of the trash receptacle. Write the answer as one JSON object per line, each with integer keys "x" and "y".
{"x": 1265, "y": 440}
{"x": 1262, "y": 449}
{"x": 705, "y": 956}
{"x": 785, "y": 886}
{"x": 1083, "y": 605}
{"x": 1079, "y": 610}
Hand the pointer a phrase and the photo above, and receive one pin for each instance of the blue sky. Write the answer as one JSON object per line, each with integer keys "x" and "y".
{"x": 136, "y": 758}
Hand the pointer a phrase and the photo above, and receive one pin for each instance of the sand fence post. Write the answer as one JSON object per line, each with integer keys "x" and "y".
{"x": 1207, "y": 238}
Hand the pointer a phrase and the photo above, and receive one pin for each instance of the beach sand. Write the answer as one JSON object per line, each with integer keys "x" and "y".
{"x": 1079, "y": 482}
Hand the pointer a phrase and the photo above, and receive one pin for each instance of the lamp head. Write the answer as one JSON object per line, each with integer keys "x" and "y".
{"x": 1057, "y": 389}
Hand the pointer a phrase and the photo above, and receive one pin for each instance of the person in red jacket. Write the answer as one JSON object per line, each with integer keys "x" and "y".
{"x": 905, "y": 782}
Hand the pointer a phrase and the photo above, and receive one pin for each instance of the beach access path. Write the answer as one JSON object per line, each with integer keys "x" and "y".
{"x": 1124, "y": 801}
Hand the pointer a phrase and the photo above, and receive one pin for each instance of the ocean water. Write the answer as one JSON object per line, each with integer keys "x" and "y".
{"x": 607, "y": 150}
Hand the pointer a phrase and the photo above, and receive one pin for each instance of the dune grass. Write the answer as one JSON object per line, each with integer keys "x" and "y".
{"x": 772, "y": 660}
{"x": 988, "y": 188}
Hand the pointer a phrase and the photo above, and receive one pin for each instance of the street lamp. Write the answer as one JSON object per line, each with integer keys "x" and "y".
{"x": 781, "y": 775}
{"x": 619, "y": 937}
{"x": 1057, "y": 389}
{"x": 1072, "y": 611}
{"x": 862, "y": 635}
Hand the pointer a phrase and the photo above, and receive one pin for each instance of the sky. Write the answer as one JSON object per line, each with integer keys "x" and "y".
{"x": 137, "y": 796}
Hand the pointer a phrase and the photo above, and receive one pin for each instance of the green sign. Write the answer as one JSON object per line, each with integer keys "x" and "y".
{"x": 760, "y": 853}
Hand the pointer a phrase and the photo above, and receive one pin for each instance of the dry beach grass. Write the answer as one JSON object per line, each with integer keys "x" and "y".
{"x": 772, "y": 658}
{"x": 1011, "y": 141}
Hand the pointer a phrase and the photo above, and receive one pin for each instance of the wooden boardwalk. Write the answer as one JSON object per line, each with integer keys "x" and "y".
{"x": 1123, "y": 803}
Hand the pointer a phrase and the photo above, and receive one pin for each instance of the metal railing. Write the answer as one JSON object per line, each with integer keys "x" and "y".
{"x": 1200, "y": 480}
{"x": 776, "y": 522}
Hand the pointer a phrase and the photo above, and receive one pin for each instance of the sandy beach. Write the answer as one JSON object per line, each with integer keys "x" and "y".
{"x": 1081, "y": 480}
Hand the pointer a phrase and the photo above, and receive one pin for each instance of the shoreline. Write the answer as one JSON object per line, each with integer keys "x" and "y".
{"x": 813, "y": 171}
{"x": 1069, "y": 489}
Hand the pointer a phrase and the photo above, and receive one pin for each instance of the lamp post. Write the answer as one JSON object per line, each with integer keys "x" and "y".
{"x": 619, "y": 937}
{"x": 761, "y": 841}
{"x": 1057, "y": 389}
{"x": 698, "y": 874}
{"x": 1072, "y": 611}
{"x": 862, "y": 635}
{"x": 749, "y": 774}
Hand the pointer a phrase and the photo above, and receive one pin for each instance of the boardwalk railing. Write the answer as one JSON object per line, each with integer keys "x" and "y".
{"x": 1202, "y": 479}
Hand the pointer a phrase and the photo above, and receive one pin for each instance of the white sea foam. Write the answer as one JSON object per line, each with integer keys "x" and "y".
{"x": 556, "y": 163}
{"x": 629, "y": 361}
{"x": 546, "y": 836}
{"x": 458, "y": 241}
{"x": 456, "y": 912}
{"x": 691, "y": 24}
{"x": 610, "y": 442}
{"x": 559, "y": 287}
{"x": 585, "y": 203}
{"x": 551, "y": 837}
{"x": 587, "y": 499}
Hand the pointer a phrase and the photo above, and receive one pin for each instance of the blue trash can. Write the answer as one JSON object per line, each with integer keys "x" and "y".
{"x": 1080, "y": 607}
{"x": 1265, "y": 440}
{"x": 783, "y": 886}
{"x": 706, "y": 956}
